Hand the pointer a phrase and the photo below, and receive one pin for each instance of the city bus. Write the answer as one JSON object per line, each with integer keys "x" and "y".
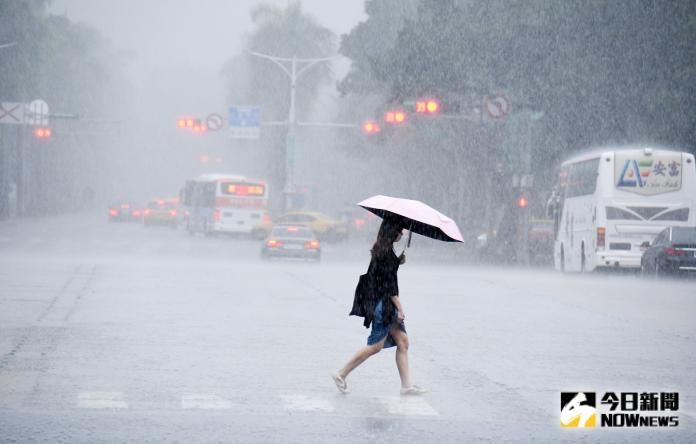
{"x": 608, "y": 203}
{"x": 224, "y": 203}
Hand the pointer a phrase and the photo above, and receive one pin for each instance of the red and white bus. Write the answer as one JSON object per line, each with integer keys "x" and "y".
{"x": 224, "y": 203}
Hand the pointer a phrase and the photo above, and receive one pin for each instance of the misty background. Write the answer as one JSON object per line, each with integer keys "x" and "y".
{"x": 577, "y": 74}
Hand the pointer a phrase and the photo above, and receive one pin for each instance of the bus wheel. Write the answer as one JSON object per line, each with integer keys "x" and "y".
{"x": 562, "y": 260}
{"x": 582, "y": 258}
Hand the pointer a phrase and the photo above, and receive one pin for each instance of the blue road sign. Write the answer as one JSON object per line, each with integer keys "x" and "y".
{"x": 244, "y": 122}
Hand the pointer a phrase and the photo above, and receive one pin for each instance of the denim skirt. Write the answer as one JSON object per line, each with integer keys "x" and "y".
{"x": 380, "y": 330}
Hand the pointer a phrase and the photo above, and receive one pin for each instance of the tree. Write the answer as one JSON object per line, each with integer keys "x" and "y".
{"x": 283, "y": 32}
{"x": 603, "y": 72}
{"x": 74, "y": 69}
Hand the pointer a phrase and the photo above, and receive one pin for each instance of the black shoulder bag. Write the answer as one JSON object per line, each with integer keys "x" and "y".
{"x": 363, "y": 301}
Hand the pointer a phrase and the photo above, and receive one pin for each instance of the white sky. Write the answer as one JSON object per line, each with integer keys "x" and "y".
{"x": 180, "y": 46}
{"x": 204, "y": 32}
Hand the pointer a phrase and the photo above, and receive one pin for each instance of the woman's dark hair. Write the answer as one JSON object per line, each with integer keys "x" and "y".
{"x": 388, "y": 232}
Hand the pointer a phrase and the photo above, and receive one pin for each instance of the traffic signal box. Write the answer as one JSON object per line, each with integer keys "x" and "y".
{"x": 43, "y": 133}
{"x": 427, "y": 106}
{"x": 192, "y": 124}
{"x": 370, "y": 127}
{"x": 398, "y": 115}
{"x": 395, "y": 117}
{"x": 522, "y": 202}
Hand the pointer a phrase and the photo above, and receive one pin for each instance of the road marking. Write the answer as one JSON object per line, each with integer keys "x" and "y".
{"x": 102, "y": 400}
{"x": 408, "y": 406}
{"x": 203, "y": 401}
{"x": 302, "y": 403}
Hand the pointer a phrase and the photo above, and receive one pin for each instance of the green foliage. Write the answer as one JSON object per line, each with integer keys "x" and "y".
{"x": 68, "y": 65}
{"x": 602, "y": 70}
{"x": 282, "y": 32}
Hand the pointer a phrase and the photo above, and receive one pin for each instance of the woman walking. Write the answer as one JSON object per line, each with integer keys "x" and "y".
{"x": 384, "y": 310}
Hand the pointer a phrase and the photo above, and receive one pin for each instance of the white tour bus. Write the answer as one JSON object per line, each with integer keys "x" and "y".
{"x": 609, "y": 202}
{"x": 224, "y": 203}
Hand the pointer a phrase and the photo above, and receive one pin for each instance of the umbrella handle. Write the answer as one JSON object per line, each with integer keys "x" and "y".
{"x": 408, "y": 244}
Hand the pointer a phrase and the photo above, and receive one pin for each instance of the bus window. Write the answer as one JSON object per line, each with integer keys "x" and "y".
{"x": 582, "y": 179}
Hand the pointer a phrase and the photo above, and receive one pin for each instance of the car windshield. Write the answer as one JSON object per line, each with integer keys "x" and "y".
{"x": 683, "y": 235}
{"x": 291, "y": 231}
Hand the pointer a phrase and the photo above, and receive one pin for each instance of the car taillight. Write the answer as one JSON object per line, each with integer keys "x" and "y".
{"x": 671, "y": 251}
{"x": 216, "y": 215}
{"x": 601, "y": 237}
{"x": 125, "y": 206}
{"x": 273, "y": 243}
{"x": 312, "y": 245}
{"x": 172, "y": 213}
{"x": 136, "y": 213}
{"x": 147, "y": 212}
{"x": 359, "y": 222}
{"x": 113, "y": 212}
{"x": 266, "y": 219}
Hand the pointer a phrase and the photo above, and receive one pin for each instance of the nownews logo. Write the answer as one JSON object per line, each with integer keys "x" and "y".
{"x": 625, "y": 409}
{"x": 578, "y": 409}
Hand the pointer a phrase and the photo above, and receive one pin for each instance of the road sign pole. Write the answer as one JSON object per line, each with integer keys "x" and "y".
{"x": 293, "y": 73}
{"x": 290, "y": 140}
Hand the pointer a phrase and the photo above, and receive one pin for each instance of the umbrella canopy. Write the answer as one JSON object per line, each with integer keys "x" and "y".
{"x": 415, "y": 216}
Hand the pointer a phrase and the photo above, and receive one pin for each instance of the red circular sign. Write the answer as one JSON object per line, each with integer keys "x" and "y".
{"x": 497, "y": 107}
{"x": 214, "y": 122}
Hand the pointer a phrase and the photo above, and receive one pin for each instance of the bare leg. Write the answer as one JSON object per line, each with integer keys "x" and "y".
{"x": 360, "y": 357}
{"x": 401, "y": 339}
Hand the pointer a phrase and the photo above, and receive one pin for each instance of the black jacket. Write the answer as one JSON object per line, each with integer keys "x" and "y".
{"x": 379, "y": 283}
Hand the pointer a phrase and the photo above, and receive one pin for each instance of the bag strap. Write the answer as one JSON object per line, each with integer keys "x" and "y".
{"x": 369, "y": 267}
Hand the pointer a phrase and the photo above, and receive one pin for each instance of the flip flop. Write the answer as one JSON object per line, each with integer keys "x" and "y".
{"x": 341, "y": 384}
{"x": 414, "y": 390}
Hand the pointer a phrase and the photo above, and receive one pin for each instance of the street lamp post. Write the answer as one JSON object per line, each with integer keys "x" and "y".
{"x": 293, "y": 73}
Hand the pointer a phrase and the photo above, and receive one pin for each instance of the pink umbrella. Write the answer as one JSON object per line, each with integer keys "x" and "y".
{"x": 414, "y": 215}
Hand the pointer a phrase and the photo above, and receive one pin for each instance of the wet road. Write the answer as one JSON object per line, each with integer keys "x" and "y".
{"x": 116, "y": 333}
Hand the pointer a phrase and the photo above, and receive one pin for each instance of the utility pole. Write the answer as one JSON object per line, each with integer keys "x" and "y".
{"x": 293, "y": 73}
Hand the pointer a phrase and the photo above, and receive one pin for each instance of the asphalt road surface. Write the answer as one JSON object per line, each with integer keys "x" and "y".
{"x": 117, "y": 333}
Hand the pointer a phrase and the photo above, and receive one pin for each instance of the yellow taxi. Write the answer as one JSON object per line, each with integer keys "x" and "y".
{"x": 161, "y": 212}
{"x": 323, "y": 226}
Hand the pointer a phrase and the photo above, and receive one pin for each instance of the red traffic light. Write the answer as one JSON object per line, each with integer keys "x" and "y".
{"x": 370, "y": 127}
{"x": 395, "y": 117}
{"x": 192, "y": 124}
{"x": 427, "y": 106}
{"x": 43, "y": 133}
{"x": 522, "y": 201}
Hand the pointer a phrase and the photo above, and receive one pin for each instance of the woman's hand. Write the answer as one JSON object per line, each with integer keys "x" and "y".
{"x": 402, "y": 259}
{"x": 400, "y": 315}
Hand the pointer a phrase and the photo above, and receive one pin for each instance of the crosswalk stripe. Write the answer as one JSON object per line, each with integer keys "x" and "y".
{"x": 204, "y": 401}
{"x": 102, "y": 400}
{"x": 408, "y": 406}
{"x": 303, "y": 403}
{"x": 296, "y": 402}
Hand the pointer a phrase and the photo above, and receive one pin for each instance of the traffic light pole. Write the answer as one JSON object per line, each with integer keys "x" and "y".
{"x": 293, "y": 73}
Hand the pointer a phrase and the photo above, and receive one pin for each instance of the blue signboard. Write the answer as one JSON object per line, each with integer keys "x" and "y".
{"x": 244, "y": 122}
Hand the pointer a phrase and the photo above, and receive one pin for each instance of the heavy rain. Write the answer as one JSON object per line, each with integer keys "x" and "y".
{"x": 195, "y": 195}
